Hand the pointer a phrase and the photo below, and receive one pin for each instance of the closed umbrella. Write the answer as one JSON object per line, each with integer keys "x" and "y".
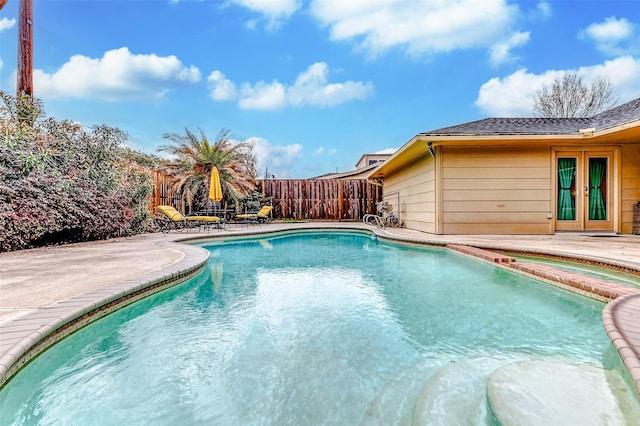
{"x": 215, "y": 190}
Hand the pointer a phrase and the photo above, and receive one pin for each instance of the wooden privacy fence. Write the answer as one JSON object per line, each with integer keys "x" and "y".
{"x": 320, "y": 199}
{"x": 160, "y": 195}
{"x": 310, "y": 199}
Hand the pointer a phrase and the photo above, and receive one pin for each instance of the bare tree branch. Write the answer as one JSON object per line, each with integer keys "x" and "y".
{"x": 569, "y": 96}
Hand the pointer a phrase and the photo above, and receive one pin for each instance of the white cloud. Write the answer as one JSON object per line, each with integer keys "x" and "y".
{"x": 318, "y": 151}
{"x": 501, "y": 52}
{"x": 418, "y": 26}
{"x": 222, "y": 89}
{"x": 263, "y": 96}
{"x": 119, "y": 74}
{"x": 277, "y": 159}
{"x": 544, "y": 9}
{"x": 6, "y": 24}
{"x": 251, "y": 24}
{"x": 611, "y": 29}
{"x": 512, "y": 96}
{"x": 386, "y": 151}
{"x": 275, "y": 11}
{"x": 613, "y": 36}
{"x": 622, "y": 72}
{"x": 311, "y": 88}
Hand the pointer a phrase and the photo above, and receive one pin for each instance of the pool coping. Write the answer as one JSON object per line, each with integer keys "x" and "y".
{"x": 621, "y": 321}
{"x": 24, "y": 338}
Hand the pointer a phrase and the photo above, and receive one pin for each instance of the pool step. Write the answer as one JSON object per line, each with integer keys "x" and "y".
{"x": 510, "y": 389}
{"x": 456, "y": 393}
{"x": 588, "y": 286}
{"x": 483, "y": 254}
{"x": 553, "y": 392}
{"x": 394, "y": 403}
{"x": 595, "y": 288}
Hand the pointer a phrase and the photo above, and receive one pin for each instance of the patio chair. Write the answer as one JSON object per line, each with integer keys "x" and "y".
{"x": 173, "y": 219}
{"x": 262, "y": 216}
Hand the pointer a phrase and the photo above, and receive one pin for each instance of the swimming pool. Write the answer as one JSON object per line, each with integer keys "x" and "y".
{"x": 310, "y": 328}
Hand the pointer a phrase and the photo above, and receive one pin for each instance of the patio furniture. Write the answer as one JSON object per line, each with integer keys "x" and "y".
{"x": 216, "y": 209}
{"x": 261, "y": 216}
{"x": 173, "y": 219}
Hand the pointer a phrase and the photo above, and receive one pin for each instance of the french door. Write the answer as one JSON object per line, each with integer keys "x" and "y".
{"x": 583, "y": 191}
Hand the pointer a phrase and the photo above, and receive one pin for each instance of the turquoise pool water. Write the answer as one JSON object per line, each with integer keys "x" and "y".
{"x": 611, "y": 275}
{"x": 310, "y": 328}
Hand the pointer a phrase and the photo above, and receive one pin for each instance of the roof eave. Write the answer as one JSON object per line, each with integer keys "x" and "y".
{"x": 617, "y": 128}
{"x": 400, "y": 157}
{"x": 400, "y": 152}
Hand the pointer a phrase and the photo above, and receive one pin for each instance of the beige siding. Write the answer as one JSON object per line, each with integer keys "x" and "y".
{"x": 630, "y": 173}
{"x": 510, "y": 207}
{"x": 494, "y": 228}
{"x": 414, "y": 190}
{"x": 493, "y": 190}
{"x": 500, "y": 194}
{"x": 496, "y": 191}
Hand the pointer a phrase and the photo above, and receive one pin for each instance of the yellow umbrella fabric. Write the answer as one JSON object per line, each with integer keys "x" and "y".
{"x": 215, "y": 190}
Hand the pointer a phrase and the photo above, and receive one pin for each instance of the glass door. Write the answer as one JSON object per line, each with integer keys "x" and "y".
{"x": 597, "y": 190}
{"x": 583, "y": 191}
{"x": 568, "y": 190}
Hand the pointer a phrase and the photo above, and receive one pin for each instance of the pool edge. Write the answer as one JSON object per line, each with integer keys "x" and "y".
{"x": 620, "y": 319}
{"x": 37, "y": 331}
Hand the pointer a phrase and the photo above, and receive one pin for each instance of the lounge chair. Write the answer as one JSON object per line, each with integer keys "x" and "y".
{"x": 173, "y": 219}
{"x": 262, "y": 216}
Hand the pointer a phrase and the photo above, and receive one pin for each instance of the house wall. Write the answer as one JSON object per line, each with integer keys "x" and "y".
{"x": 493, "y": 190}
{"x": 630, "y": 174}
{"x": 412, "y": 194}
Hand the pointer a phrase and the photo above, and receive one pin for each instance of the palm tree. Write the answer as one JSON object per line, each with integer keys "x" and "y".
{"x": 196, "y": 156}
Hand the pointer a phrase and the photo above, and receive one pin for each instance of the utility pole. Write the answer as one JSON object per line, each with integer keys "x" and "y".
{"x": 25, "y": 48}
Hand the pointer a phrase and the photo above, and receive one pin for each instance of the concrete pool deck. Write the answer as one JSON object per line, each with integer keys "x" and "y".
{"x": 47, "y": 293}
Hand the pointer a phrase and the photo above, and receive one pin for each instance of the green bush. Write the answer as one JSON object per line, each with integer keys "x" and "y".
{"x": 60, "y": 182}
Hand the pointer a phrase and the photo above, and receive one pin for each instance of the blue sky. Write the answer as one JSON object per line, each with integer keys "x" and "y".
{"x": 314, "y": 84}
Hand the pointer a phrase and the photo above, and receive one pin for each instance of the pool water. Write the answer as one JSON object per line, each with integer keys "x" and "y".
{"x": 599, "y": 272}
{"x": 309, "y": 328}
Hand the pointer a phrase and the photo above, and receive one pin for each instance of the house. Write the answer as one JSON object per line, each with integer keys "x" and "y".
{"x": 370, "y": 159}
{"x": 519, "y": 175}
{"x": 366, "y": 163}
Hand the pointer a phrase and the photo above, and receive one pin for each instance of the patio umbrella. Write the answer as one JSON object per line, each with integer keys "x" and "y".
{"x": 215, "y": 190}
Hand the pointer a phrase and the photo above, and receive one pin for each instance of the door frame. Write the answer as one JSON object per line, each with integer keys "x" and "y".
{"x": 582, "y": 156}
{"x": 598, "y": 225}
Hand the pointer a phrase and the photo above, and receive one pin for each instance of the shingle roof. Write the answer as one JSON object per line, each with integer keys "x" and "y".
{"x": 354, "y": 174}
{"x": 618, "y": 115}
{"x": 544, "y": 126}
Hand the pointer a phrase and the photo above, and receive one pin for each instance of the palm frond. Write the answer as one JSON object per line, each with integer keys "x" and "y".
{"x": 195, "y": 156}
